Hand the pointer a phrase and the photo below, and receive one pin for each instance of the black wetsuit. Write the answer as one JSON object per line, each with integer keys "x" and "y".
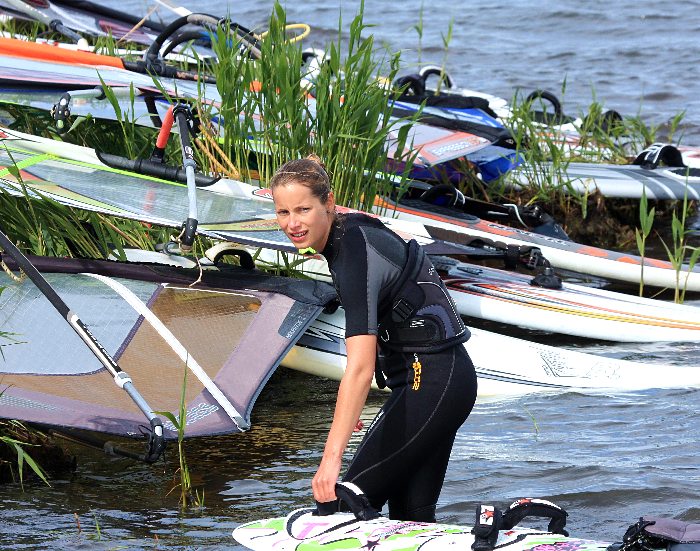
{"x": 403, "y": 457}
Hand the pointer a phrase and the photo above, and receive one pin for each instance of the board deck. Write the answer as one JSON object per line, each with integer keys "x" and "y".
{"x": 303, "y": 531}
{"x": 622, "y": 181}
{"x": 577, "y": 310}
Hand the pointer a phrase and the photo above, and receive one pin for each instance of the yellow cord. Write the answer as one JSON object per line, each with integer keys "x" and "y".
{"x": 291, "y": 27}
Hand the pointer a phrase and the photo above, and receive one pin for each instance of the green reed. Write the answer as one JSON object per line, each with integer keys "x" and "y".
{"x": 680, "y": 248}
{"x": 187, "y": 497}
{"x": 646, "y": 219}
{"x": 13, "y": 434}
{"x": 14, "y": 437}
{"x": 545, "y": 158}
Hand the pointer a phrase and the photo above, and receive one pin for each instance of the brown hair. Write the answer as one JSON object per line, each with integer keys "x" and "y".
{"x": 309, "y": 172}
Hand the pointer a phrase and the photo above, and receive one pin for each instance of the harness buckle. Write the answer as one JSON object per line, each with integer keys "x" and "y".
{"x": 401, "y": 310}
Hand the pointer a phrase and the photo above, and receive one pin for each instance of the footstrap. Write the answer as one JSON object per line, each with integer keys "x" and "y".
{"x": 352, "y": 496}
{"x": 657, "y": 154}
{"x": 486, "y": 526}
{"x": 532, "y": 507}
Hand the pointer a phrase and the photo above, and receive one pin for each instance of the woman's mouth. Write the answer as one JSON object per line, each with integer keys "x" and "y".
{"x": 298, "y": 236}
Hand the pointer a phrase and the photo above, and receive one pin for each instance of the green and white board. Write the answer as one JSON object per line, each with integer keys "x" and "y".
{"x": 303, "y": 531}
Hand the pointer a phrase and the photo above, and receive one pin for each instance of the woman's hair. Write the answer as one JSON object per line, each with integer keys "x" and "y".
{"x": 309, "y": 172}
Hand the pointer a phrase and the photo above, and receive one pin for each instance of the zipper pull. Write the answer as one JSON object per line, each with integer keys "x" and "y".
{"x": 416, "y": 372}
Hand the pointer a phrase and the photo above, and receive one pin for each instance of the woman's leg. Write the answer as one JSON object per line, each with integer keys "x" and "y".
{"x": 404, "y": 455}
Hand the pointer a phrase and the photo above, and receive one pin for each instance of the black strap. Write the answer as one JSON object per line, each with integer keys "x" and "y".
{"x": 379, "y": 370}
{"x": 659, "y": 153}
{"x": 528, "y": 507}
{"x": 487, "y": 524}
{"x": 653, "y": 533}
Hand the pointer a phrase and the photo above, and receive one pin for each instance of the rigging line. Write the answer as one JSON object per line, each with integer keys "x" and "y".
{"x": 137, "y": 304}
{"x": 156, "y": 441}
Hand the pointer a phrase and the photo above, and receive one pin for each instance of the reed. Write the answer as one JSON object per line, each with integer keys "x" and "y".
{"x": 39, "y": 225}
{"x": 646, "y": 219}
{"x": 188, "y": 498}
{"x": 545, "y": 156}
{"x": 680, "y": 250}
{"x": 15, "y": 439}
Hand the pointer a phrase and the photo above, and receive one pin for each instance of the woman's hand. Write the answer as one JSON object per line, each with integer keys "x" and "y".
{"x": 352, "y": 393}
{"x": 323, "y": 483}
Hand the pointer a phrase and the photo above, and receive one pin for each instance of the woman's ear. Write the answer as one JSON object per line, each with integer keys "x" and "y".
{"x": 330, "y": 203}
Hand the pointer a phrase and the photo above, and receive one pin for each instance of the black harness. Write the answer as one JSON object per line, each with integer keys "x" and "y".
{"x": 421, "y": 316}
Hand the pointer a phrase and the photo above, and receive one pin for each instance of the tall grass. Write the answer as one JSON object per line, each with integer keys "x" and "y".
{"x": 39, "y": 225}
{"x": 187, "y": 498}
{"x": 14, "y": 438}
{"x": 347, "y": 123}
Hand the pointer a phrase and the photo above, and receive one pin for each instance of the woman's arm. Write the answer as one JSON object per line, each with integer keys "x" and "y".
{"x": 352, "y": 394}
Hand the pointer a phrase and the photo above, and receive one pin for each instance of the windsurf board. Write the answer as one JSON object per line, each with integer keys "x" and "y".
{"x": 503, "y": 296}
{"x": 622, "y": 181}
{"x": 302, "y": 530}
{"x": 505, "y": 366}
{"x": 511, "y": 298}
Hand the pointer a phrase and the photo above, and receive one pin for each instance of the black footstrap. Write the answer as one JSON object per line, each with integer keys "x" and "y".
{"x": 352, "y": 497}
{"x": 531, "y": 507}
{"x": 659, "y": 154}
{"x": 486, "y": 527}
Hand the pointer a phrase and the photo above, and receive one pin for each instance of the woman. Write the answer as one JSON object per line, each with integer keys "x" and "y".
{"x": 395, "y": 304}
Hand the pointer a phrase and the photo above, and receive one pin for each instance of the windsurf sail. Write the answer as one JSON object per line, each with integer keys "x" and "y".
{"x": 86, "y": 17}
{"x": 156, "y": 442}
{"x": 228, "y": 332}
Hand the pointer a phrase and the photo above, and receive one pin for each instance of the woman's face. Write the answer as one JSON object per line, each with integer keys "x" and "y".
{"x": 302, "y": 216}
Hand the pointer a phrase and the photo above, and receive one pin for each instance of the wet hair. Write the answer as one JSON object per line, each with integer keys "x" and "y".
{"x": 309, "y": 172}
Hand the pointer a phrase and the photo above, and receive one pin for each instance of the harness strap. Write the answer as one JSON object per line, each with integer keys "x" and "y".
{"x": 653, "y": 533}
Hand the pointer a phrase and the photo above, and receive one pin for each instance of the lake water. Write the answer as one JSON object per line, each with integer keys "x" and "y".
{"x": 607, "y": 459}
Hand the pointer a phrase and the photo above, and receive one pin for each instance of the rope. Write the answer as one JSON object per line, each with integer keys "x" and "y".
{"x": 138, "y": 25}
{"x": 213, "y": 152}
{"x": 10, "y": 273}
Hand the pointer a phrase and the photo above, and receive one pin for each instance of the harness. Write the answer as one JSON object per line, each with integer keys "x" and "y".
{"x": 657, "y": 533}
{"x": 421, "y": 316}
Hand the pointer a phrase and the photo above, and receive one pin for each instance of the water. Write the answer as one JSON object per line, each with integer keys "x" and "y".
{"x": 607, "y": 459}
